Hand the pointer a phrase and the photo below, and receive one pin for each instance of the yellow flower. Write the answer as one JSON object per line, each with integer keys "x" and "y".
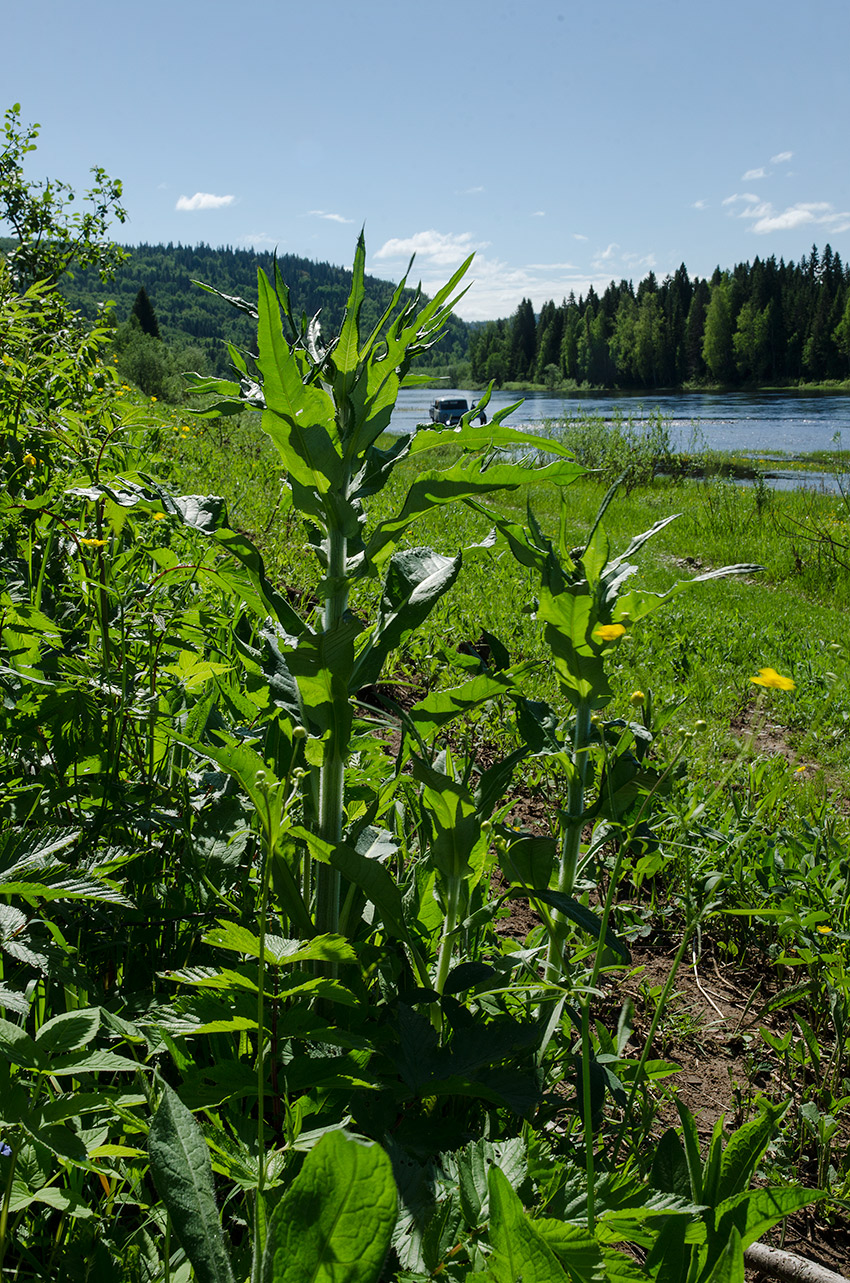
{"x": 30, "y": 460}
{"x": 799, "y": 770}
{"x": 823, "y": 928}
{"x": 93, "y": 543}
{"x": 769, "y": 677}
{"x": 608, "y": 632}
{"x": 159, "y": 516}
{"x": 637, "y": 698}
{"x": 153, "y": 398}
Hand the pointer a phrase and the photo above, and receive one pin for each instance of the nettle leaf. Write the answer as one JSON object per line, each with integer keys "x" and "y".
{"x": 182, "y": 1173}
{"x": 68, "y": 1032}
{"x": 279, "y": 951}
{"x": 335, "y": 1222}
{"x": 16, "y": 1046}
{"x": 576, "y": 1248}
{"x": 473, "y": 1167}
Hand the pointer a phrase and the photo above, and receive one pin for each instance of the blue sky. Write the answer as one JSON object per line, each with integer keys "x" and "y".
{"x": 567, "y": 142}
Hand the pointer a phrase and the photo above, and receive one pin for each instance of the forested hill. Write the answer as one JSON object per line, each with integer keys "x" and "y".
{"x": 188, "y": 316}
{"x": 760, "y": 323}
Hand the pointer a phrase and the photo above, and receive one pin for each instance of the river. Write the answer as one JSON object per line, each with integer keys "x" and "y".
{"x": 744, "y": 423}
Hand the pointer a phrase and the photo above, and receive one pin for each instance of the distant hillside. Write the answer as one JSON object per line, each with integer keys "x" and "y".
{"x": 191, "y": 317}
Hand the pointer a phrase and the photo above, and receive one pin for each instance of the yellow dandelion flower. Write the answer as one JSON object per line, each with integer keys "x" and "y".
{"x": 775, "y": 681}
{"x": 823, "y": 928}
{"x": 93, "y": 543}
{"x": 799, "y": 770}
{"x": 608, "y": 632}
{"x": 159, "y": 516}
{"x": 153, "y": 398}
{"x": 30, "y": 460}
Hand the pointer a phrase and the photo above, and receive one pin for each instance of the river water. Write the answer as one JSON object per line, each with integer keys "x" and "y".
{"x": 743, "y": 423}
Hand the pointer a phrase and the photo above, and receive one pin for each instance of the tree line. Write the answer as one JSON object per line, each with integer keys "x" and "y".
{"x": 191, "y": 318}
{"x": 761, "y": 322}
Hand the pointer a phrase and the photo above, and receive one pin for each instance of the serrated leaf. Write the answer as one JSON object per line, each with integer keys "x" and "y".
{"x": 67, "y": 1032}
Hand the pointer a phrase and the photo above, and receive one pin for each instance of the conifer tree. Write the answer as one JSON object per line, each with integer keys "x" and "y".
{"x": 146, "y": 316}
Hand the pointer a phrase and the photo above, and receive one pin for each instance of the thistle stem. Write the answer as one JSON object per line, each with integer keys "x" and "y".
{"x": 571, "y": 844}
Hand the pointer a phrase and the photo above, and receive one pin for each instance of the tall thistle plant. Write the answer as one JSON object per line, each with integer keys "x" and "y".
{"x": 327, "y": 407}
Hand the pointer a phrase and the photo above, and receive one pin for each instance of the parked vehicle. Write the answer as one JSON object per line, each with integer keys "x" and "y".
{"x": 448, "y": 410}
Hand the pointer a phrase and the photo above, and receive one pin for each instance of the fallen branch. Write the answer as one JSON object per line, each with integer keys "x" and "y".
{"x": 792, "y": 1269}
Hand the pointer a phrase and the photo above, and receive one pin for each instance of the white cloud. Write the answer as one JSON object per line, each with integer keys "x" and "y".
{"x": 699, "y": 204}
{"x": 820, "y": 213}
{"x": 539, "y": 213}
{"x": 749, "y": 197}
{"x": 577, "y": 236}
{"x": 472, "y": 191}
{"x": 496, "y": 287}
{"x": 203, "y": 200}
{"x": 608, "y": 253}
{"x": 645, "y": 261}
{"x": 332, "y": 218}
{"x": 752, "y": 174}
{"x": 441, "y": 249}
{"x": 258, "y": 239}
{"x": 765, "y": 218}
{"x": 781, "y": 158}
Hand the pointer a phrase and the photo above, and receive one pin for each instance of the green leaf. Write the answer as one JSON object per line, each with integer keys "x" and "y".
{"x": 334, "y": 1223}
{"x": 729, "y": 1267}
{"x": 441, "y": 707}
{"x": 182, "y": 1173}
{"x": 690, "y": 1137}
{"x": 578, "y": 913}
{"x": 764, "y": 1208}
{"x": 576, "y": 1249}
{"x": 519, "y": 1252}
{"x": 91, "y": 1062}
{"x": 16, "y": 1046}
{"x": 473, "y": 1165}
{"x": 464, "y": 480}
{"x": 669, "y": 1171}
{"x": 744, "y": 1149}
{"x": 67, "y": 1032}
{"x": 325, "y": 948}
{"x": 376, "y": 882}
{"x": 299, "y": 418}
{"x": 416, "y": 579}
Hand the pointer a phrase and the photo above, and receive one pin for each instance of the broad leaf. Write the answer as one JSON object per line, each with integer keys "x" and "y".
{"x": 334, "y": 1223}
{"x": 182, "y": 1173}
{"x": 519, "y": 1252}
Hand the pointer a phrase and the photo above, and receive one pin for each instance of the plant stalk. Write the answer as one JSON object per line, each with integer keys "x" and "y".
{"x": 571, "y": 844}
{"x": 332, "y": 785}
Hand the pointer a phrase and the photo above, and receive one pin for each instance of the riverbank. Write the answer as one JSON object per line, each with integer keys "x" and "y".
{"x": 571, "y": 388}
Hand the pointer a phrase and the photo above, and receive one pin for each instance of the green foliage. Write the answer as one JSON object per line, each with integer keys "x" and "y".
{"x": 49, "y": 240}
{"x": 257, "y": 811}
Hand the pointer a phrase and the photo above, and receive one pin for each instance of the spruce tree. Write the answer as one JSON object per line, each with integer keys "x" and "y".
{"x": 146, "y": 316}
